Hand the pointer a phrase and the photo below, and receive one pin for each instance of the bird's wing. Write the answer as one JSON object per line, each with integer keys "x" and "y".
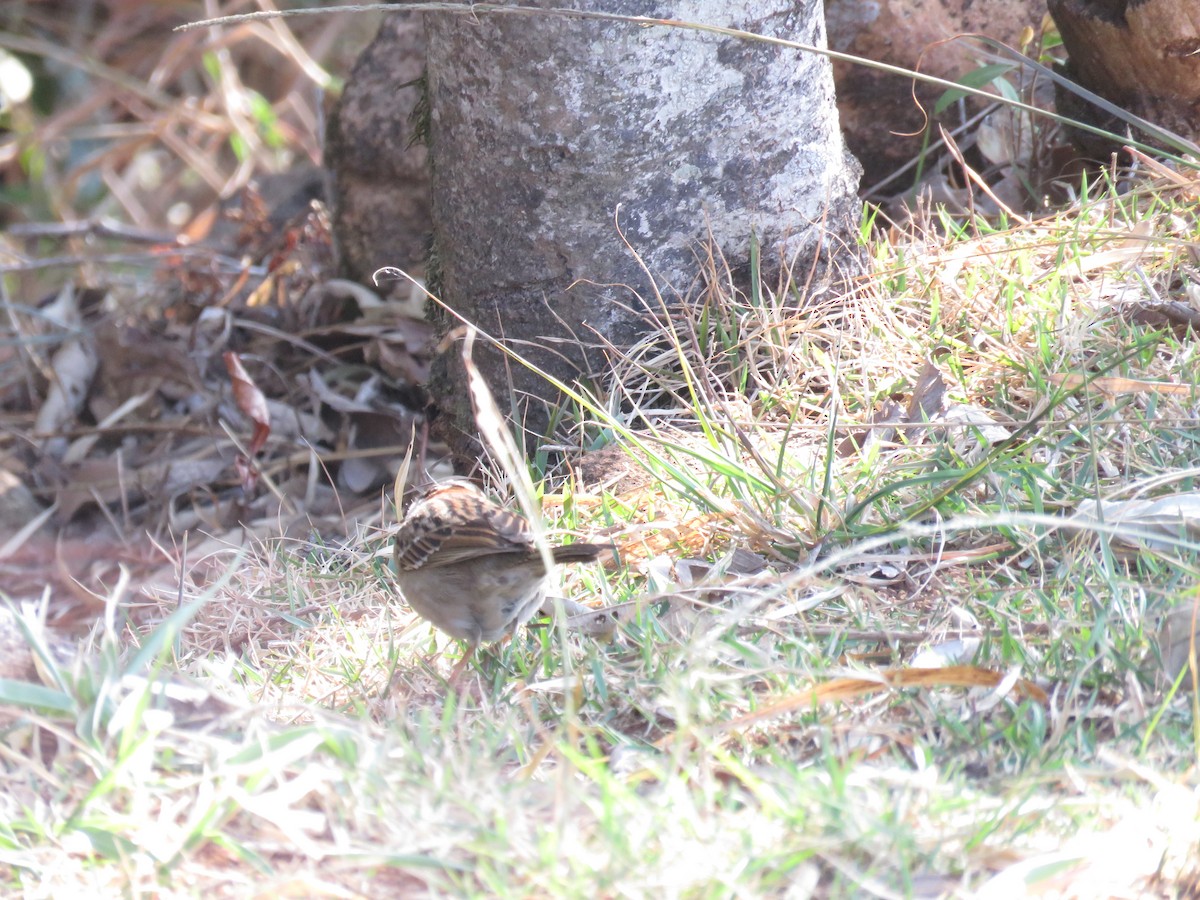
{"x": 437, "y": 533}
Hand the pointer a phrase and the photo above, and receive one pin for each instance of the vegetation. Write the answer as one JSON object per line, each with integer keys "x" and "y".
{"x": 887, "y": 604}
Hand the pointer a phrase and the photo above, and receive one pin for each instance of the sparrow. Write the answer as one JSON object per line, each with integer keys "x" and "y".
{"x": 470, "y": 566}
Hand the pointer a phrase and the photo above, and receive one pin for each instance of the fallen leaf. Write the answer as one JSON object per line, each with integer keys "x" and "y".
{"x": 1115, "y": 386}
{"x": 253, "y": 404}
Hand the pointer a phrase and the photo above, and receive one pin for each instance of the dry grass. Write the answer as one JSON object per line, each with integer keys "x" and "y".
{"x": 744, "y": 731}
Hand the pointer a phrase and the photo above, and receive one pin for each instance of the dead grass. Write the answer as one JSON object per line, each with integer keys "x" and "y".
{"x": 804, "y": 716}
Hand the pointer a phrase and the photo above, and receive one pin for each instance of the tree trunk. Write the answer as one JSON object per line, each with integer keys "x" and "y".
{"x": 543, "y": 126}
{"x": 379, "y": 165}
{"x": 1143, "y": 55}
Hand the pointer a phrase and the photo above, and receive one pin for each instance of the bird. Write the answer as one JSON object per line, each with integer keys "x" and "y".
{"x": 471, "y": 567}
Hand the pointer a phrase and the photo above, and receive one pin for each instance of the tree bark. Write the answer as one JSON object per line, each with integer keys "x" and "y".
{"x": 543, "y": 127}
{"x": 380, "y": 171}
{"x": 1143, "y": 55}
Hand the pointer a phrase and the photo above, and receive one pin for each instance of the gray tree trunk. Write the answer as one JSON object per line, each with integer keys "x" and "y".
{"x": 380, "y": 169}
{"x": 543, "y": 126}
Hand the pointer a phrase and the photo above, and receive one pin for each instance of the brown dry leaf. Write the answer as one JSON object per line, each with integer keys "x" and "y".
{"x": 76, "y": 574}
{"x": 377, "y": 441}
{"x": 1179, "y": 317}
{"x": 881, "y": 428}
{"x": 396, "y": 343}
{"x": 250, "y": 401}
{"x": 692, "y": 535}
{"x": 401, "y": 359}
{"x": 112, "y": 479}
{"x": 971, "y": 430}
{"x": 1178, "y": 637}
{"x": 139, "y": 359}
{"x": 376, "y": 431}
{"x": 1115, "y": 386}
{"x": 928, "y": 399}
{"x": 1005, "y": 137}
{"x": 890, "y": 679}
{"x": 1174, "y": 517}
{"x": 737, "y": 563}
{"x": 253, "y": 404}
{"x": 648, "y": 534}
{"x": 1191, "y": 290}
{"x": 327, "y": 395}
{"x": 72, "y": 369}
{"x": 877, "y": 573}
{"x": 296, "y": 425}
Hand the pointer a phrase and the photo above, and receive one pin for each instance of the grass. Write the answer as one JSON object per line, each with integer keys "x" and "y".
{"x": 755, "y": 726}
{"x": 860, "y": 649}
